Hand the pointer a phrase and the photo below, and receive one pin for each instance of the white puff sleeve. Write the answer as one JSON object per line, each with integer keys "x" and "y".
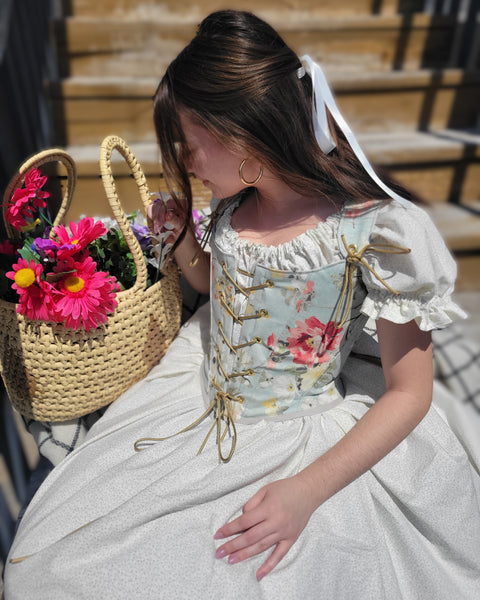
{"x": 424, "y": 277}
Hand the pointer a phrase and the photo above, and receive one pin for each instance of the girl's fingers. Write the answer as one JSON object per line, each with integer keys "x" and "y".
{"x": 172, "y": 221}
{"x": 160, "y": 213}
{"x": 251, "y": 550}
{"x": 275, "y": 557}
{"x": 254, "y": 501}
{"x": 156, "y": 213}
{"x": 238, "y": 525}
{"x": 244, "y": 521}
{"x": 240, "y": 545}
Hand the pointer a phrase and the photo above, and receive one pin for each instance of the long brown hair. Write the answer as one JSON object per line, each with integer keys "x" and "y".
{"x": 237, "y": 78}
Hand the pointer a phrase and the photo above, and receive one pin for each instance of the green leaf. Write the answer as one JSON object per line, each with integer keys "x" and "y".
{"x": 27, "y": 253}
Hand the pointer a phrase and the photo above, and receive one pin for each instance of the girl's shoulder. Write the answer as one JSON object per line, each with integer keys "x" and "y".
{"x": 408, "y": 221}
{"x": 421, "y": 280}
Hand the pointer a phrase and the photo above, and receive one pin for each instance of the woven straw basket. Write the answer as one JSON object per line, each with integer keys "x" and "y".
{"x": 56, "y": 374}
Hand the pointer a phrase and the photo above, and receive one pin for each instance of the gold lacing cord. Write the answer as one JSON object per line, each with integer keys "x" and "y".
{"x": 222, "y": 368}
{"x": 237, "y": 286}
{"x": 226, "y": 306}
{"x": 243, "y": 272}
{"x": 19, "y": 559}
{"x": 262, "y": 313}
{"x": 256, "y": 340}
{"x": 354, "y": 257}
{"x": 222, "y": 406}
{"x": 268, "y": 284}
{"x": 246, "y": 291}
{"x": 228, "y": 376}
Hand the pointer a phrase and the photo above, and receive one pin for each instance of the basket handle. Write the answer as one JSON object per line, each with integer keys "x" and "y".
{"x": 35, "y": 161}
{"x": 110, "y": 143}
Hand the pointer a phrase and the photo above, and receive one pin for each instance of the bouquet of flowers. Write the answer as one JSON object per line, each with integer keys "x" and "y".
{"x": 86, "y": 310}
{"x": 69, "y": 275}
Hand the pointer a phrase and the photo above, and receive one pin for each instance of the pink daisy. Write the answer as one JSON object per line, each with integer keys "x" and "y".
{"x": 81, "y": 234}
{"x": 35, "y": 297}
{"x": 85, "y": 298}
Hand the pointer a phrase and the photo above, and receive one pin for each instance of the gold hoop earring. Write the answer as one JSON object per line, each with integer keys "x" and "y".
{"x": 244, "y": 181}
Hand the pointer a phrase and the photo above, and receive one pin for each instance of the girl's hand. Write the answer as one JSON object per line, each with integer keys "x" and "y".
{"x": 166, "y": 216}
{"x": 274, "y": 517}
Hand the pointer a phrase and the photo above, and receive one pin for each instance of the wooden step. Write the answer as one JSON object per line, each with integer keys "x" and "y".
{"x": 460, "y": 225}
{"x": 90, "y": 198}
{"x": 442, "y": 166}
{"x": 199, "y": 9}
{"x": 138, "y": 48}
{"x": 468, "y": 269}
{"x": 460, "y": 228}
{"x": 88, "y": 109}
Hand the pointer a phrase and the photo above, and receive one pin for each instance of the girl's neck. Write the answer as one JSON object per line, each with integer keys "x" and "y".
{"x": 274, "y": 214}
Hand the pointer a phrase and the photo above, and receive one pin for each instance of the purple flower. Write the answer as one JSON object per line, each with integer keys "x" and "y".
{"x": 42, "y": 244}
{"x": 48, "y": 248}
{"x": 142, "y": 233}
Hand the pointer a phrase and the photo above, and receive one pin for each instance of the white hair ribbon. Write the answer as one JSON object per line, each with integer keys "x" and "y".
{"x": 319, "y": 114}
{"x": 322, "y": 98}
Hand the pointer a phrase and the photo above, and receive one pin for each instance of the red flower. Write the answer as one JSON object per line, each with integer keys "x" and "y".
{"x": 84, "y": 298}
{"x": 35, "y": 300}
{"x": 311, "y": 341}
{"x": 26, "y": 200}
{"x": 81, "y": 234}
{"x": 35, "y": 180}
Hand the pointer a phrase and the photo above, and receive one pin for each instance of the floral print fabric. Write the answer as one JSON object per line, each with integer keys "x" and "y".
{"x": 295, "y": 366}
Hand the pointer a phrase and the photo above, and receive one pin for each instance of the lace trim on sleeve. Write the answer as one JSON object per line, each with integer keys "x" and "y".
{"x": 432, "y": 312}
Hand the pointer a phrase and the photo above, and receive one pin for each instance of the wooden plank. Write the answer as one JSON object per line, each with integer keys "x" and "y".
{"x": 137, "y": 47}
{"x": 164, "y": 8}
{"x": 90, "y": 109}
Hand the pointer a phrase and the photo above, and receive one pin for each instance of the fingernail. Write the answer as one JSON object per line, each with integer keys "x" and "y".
{"x": 218, "y": 536}
{"x": 233, "y": 559}
{"x": 220, "y": 553}
{"x": 260, "y": 577}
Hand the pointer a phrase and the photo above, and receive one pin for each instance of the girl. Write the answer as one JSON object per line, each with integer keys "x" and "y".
{"x": 328, "y": 478}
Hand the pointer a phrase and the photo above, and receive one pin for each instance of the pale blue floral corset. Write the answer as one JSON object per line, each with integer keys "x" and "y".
{"x": 279, "y": 339}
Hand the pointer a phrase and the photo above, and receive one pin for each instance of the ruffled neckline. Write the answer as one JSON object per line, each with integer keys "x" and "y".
{"x": 311, "y": 249}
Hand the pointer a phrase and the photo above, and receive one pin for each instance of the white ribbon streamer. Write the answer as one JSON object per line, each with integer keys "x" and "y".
{"x": 322, "y": 98}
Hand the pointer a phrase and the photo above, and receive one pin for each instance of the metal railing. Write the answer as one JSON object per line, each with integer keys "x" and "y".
{"x": 465, "y": 48}
{"x": 26, "y": 61}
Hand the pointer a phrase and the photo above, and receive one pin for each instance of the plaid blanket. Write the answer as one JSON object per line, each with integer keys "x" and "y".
{"x": 56, "y": 440}
{"x": 457, "y": 364}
